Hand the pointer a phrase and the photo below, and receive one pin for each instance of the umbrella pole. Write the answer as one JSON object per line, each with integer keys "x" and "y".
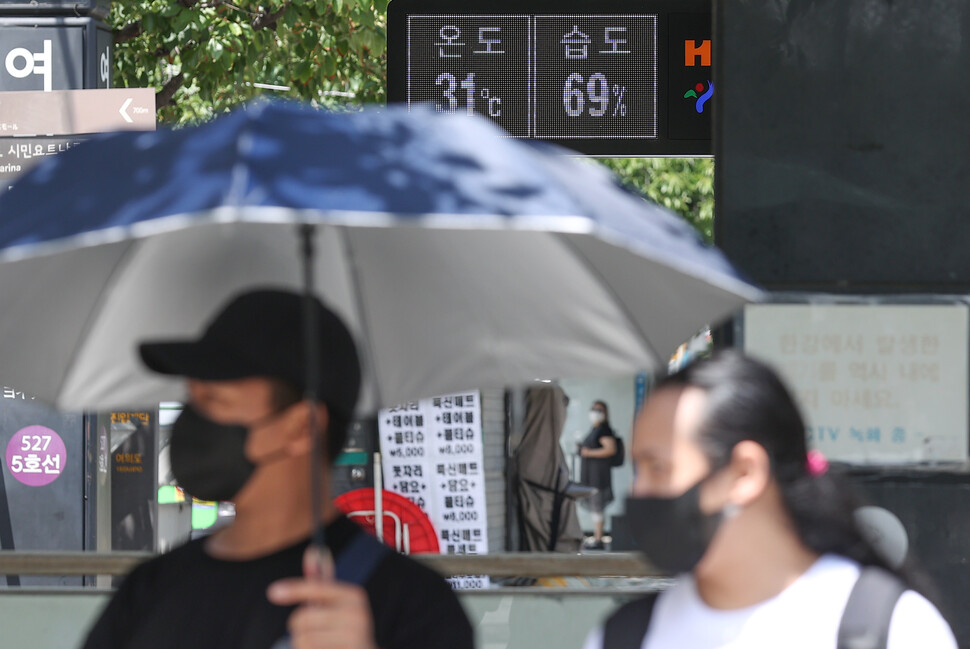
{"x": 312, "y": 390}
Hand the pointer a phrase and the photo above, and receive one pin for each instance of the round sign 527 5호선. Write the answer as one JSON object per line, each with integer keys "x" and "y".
{"x": 36, "y": 456}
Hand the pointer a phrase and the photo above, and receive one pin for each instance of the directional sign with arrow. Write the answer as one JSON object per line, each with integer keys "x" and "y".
{"x": 74, "y": 112}
{"x": 34, "y": 125}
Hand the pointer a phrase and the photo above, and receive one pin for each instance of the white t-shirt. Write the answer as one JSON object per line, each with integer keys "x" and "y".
{"x": 806, "y": 615}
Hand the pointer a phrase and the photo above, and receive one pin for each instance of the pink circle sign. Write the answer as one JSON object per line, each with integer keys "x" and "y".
{"x": 36, "y": 456}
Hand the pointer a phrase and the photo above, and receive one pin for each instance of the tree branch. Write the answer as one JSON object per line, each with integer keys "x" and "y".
{"x": 269, "y": 19}
{"x": 128, "y": 32}
{"x": 164, "y": 96}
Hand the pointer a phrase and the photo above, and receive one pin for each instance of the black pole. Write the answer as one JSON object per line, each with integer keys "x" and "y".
{"x": 6, "y": 528}
{"x": 312, "y": 388}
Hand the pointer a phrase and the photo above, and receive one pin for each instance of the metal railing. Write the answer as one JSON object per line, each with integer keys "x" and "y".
{"x": 512, "y": 564}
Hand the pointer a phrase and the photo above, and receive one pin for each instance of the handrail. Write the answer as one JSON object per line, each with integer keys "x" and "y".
{"x": 541, "y": 564}
{"x": 38, "y": 562}
{"x": 510, "y": 564}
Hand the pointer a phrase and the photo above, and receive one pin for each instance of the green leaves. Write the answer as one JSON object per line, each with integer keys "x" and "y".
{"x": 215, "y": 49}
{"x": 684, "y": 185}
{"x": 318, "y": 46}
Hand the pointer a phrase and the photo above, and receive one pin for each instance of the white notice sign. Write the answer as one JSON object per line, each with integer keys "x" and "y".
{"x": 432, "y": 454}
{"x": 877, "y": 383}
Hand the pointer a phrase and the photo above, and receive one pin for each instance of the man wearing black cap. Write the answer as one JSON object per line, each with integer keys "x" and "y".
{"x": 244, "y": 436}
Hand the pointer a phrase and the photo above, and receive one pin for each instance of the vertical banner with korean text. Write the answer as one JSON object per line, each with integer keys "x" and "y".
{"x": 432, "y": 454}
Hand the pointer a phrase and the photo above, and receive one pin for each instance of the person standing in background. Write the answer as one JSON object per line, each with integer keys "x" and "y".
{"x": 597, "y": 451}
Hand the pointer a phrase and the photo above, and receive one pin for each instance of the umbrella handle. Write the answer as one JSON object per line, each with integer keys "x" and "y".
{"x": 311, "y": 393}
{"x": 318, "y": 564}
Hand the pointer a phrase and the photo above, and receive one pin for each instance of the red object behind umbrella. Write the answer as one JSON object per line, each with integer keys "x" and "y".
{"x": 406, "y": 528}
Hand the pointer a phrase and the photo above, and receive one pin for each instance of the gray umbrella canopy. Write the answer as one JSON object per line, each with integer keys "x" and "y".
{"x": 460, "y": 258}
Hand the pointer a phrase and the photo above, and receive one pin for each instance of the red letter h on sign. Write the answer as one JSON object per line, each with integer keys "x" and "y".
{"x": 692, "y": 51}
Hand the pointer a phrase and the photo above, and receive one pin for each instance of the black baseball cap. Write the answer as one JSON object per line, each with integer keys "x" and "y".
{"x": 260, "y": 333}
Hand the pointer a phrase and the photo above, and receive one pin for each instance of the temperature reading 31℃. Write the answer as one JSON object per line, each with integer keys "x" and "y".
{"x": 596, "y": 76}
{"x": 471, "y": 64}
{"x": 490, "y": 105}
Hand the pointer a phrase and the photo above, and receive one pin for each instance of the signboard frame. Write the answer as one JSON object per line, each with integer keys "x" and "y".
{"x": 962, "y": 366}
{"x": 96, "y": 8}
{"x": 36, "y": 124}
{"x": 93, "y": 59}
{"x": 661, "y": 146}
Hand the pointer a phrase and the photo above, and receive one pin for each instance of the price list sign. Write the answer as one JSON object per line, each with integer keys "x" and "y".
{"x": 432, "y": 454}
{"x": 628, "y": 79}
{"x": 404, "y": 454}
{"x": 459, "y": 477}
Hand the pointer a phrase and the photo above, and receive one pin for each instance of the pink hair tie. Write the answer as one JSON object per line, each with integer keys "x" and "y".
{"x": 816, "y": 464}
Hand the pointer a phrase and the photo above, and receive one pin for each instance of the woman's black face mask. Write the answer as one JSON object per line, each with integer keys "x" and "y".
{"x": 673, "y": 533}
{"x": 209, "y": 459}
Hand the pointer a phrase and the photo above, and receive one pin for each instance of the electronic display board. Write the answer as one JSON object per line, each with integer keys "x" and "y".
{"x": 608, "y": 79}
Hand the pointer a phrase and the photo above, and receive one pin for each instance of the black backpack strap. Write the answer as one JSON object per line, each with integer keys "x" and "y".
{"x": 626, "y": 628}
{"x": 357, "y": 561}
{"x": 866, "y": 618}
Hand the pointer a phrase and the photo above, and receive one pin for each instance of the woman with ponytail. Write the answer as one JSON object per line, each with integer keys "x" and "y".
{"x": 727, "y": 495}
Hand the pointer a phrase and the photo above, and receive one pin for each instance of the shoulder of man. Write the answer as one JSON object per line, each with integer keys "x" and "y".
{"x": 136, "y": 595}
{"x": 415, "y": 607}
{"x": 165, "y": 564}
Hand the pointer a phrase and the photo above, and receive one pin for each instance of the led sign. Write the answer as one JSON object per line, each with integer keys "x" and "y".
{"x": 610, "y": 78}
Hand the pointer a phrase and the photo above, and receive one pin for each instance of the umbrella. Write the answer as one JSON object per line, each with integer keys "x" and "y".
{"x": 460, "y": 257}
{"x": 538, "y": 466}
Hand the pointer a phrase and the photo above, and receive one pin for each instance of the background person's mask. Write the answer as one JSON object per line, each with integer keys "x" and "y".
{"x": 673, "y": 533}
{"x": 208, "y": 459}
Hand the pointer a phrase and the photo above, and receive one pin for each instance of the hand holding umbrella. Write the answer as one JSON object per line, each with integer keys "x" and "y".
{"x": 330, "y": 614}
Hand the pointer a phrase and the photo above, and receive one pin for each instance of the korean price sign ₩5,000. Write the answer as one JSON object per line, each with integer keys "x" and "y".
{"x": 432, "y": 454}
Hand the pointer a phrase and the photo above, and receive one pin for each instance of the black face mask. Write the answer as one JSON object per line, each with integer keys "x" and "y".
{"x": 673, "y": 533}
{"x": 208, "y": 459}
